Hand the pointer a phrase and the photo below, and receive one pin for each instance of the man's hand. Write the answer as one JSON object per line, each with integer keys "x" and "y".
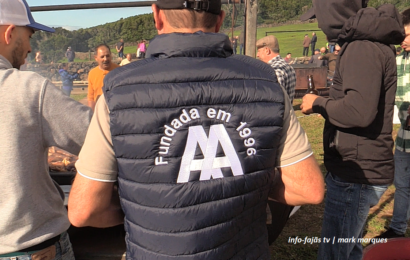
{"x": 307, "y": 103}
{"x": 320, "y": 57}
{"x": 91, "y": 103}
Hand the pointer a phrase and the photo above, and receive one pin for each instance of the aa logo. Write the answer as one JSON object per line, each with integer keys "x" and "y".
{"x": 211, "y": 165}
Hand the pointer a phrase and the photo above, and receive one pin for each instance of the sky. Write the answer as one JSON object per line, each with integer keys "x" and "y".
{"x": 76, "y": 19}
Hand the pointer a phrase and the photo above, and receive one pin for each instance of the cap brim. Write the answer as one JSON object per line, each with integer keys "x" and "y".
{"x": 40, "y": 27}
{"x": 310, "y": 14}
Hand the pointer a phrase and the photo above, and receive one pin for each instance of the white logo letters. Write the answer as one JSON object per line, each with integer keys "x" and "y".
{"x": 210, "y": 166}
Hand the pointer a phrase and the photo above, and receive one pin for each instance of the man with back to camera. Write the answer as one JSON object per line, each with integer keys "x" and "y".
{"x": 33, "y": 117}
{"x": 194, "y": 136}
{"x": 268, "y": 52}
{"x": 102, "y": 56}
{"x": 357, "y": 137}
{"x": 315, "y": 59}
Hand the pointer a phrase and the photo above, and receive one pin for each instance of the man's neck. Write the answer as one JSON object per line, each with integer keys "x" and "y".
{"x": 103, "y": 68}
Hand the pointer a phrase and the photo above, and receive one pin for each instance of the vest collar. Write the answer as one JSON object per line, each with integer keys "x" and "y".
{"x": 198, "y": 44}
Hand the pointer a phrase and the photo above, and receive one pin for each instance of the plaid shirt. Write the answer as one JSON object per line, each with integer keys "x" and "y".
{"x": 286, "y": 75}
{"x": 403, "y": 100}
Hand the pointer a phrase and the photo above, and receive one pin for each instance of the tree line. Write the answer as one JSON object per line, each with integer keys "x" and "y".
{"x": 136, "y": 28}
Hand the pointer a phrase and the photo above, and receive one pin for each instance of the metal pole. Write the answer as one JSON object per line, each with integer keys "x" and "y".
{"x": 250, "y": 25}
{"x": 233, "y": 18}
{"x": 99, "y": 6}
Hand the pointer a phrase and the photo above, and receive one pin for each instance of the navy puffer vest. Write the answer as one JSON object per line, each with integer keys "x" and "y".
{"x": 195, "y": 132}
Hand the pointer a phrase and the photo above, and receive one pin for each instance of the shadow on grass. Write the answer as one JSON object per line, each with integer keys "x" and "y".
{"x": 375, "y": 216}
{"x": 296, "y": 107}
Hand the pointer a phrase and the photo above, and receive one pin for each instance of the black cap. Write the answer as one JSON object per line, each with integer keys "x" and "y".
{"x": 210, "y": 6}
{"x": 310, "y": 14}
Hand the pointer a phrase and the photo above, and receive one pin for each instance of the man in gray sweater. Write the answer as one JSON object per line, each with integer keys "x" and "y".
{"x": 34, "y": 115}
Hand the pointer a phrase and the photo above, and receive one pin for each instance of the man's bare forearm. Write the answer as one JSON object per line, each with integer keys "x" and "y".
{"x": 91, "y": 104}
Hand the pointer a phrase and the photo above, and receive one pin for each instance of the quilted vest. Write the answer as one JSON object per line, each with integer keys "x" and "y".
{"x": 195, "y": 132}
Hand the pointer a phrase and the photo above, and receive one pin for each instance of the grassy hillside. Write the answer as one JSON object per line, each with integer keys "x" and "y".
{"x": 288, "y": 41}
{"x": 292, "y": 41}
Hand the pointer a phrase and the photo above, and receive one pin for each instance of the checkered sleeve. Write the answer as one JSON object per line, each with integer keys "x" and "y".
{"x": 286, "y": 75}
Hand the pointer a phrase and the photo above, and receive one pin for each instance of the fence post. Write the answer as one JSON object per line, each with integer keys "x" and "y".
{"x": 251, "y": 27}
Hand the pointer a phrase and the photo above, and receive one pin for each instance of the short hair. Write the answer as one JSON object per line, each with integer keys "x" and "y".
{"x": 99, "y": 46}
{"x": 62, "y": 66}
{"x": 288, "y": 53}
{"x": 187, "y": 18}
{"x": 406, "y": 17}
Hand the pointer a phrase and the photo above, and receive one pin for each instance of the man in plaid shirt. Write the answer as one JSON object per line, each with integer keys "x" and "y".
{"x": 401, "y": 211}
{"x": 268, "y": 51}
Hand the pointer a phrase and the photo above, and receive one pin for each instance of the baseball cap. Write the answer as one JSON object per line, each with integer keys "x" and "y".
{"x": 210, "y": 6}
{"x": 269, "y": 41}
{"x": 18, "y": 12}
{"x": 310, "y": 14}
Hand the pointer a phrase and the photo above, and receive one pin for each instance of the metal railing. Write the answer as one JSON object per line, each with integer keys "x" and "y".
{"x": 105, "y": 5}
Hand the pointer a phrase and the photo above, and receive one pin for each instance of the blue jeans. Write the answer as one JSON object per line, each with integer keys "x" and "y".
{"x": 121, "y": 54}
{"x": 241, "y": 48}
{"x": 66, "y": 90}
{"x": 401, "y": 211}
{"x": 346, "y": 208}
{"x": 64, "y": 251}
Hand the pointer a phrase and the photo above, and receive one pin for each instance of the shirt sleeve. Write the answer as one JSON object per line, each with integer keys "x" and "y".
{"x": 64, "y": 121}
{"x": 361, "y": 74}
{"x": 294, "y": 145}
{"x": 97, "y": 159}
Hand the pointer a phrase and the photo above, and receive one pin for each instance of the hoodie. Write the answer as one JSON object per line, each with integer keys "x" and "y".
{"x": 357, "y": 136}
{"x": 67, "y": 78}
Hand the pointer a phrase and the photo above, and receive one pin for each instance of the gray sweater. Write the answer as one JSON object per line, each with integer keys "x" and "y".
{"x": 34, "y": 115}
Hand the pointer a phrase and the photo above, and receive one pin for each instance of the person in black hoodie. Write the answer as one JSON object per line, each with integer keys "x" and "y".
{"x": 357, "y": 136}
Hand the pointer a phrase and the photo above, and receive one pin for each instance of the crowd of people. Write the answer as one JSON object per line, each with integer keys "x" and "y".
{"x": 186, "y": 147}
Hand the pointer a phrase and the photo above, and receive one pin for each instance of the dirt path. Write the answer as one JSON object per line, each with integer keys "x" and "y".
{"x": 84, "y": 101}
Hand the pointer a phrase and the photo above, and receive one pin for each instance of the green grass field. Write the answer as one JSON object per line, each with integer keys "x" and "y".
{"x": 291, "y": 41}
{"x": 78, "y": 97}
{"x": 288, "y": 41}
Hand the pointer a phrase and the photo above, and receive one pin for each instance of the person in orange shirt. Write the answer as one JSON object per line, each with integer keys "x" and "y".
{"x": 102, "y": 55}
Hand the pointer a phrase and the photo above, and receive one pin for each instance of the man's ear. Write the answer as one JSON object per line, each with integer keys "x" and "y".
{"x": 9, "y": 33}
{"x": 158, "y": 18}
{"x": 220, "y": 20}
